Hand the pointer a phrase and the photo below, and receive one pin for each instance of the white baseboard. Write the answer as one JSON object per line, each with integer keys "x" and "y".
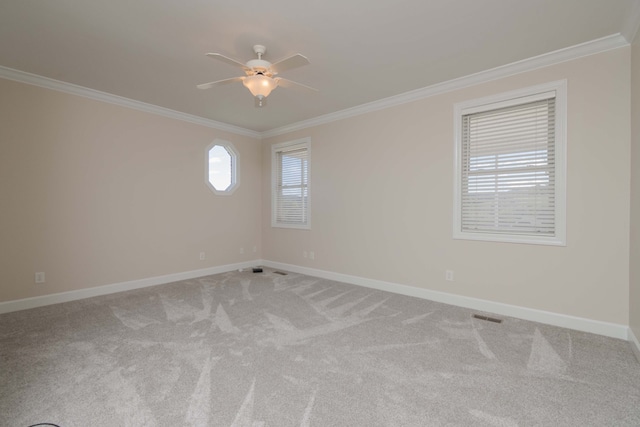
{"x": 635, "y": 344}
{"x": 571, "y": 322}
{"x": 33, "y": 302}
{"x": 581, "y": 324}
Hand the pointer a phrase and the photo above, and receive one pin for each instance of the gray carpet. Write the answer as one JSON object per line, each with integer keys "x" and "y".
{"x": 245, "y": 349}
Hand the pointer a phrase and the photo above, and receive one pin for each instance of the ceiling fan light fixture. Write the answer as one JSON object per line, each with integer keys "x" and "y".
{"x": 260, "y": 85}
{"x": 259, "y": 74}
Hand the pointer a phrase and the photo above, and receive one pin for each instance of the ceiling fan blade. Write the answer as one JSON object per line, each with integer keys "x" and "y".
{"x": 219, "y": 82}
{"x": 290, "y": 83}
{"x": 289, "y": 63}
{"x": 228, "y": 60}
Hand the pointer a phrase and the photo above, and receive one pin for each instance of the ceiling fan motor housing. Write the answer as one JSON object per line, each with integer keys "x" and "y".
{"x": 259, "y": 66}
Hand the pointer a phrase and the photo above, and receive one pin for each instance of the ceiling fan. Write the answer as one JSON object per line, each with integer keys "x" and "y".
{"x": 260, "y": 74}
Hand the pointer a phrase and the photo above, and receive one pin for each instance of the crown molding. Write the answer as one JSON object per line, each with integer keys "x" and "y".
{"x": 604, "y": 44}
{"x": 567, "y": 54}
{"x": 60, "y": 86}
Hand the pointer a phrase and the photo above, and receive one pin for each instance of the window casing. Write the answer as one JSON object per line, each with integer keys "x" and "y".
{"x": 221, "y": 167}
{"x": 291, "y": 191}
{"x": 510, "y": 165}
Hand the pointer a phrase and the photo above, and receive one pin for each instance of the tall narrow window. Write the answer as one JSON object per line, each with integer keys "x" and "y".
{"x": 510, "y": 161}
{"x": 290, "y": 184}
{"x": 221, "y": 167}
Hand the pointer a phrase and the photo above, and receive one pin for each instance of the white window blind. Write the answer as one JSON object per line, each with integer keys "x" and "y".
{"x": 508, "y": 168}
{"x": 291, "y": 185}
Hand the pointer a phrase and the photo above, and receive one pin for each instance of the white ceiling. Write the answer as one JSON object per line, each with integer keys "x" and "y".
{"x": 361, "y": 51}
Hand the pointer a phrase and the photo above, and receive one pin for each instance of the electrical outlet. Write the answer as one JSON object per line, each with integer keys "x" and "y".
{"x": 312, "y": 255}
{"x": 255, "y": 249}
{"x": 448, "y": 275}
{"x": 201, "y": 256}
{"x": 40, "y": 277}
{"x": 304, "y": 254}
{"x": 241, "y": 250}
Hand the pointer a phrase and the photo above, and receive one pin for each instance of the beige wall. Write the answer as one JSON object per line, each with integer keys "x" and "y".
{"x": 382, "y": 196}
{"x": 634, "y": 254}
{"x": 94, "y": 194}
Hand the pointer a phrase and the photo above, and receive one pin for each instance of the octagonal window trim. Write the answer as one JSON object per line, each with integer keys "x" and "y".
{"x": 217, "y": 165}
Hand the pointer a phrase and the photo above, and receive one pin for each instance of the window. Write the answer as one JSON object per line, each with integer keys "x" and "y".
{"x": 221, "y": 167}
{"x": 290, "y": 164}
{"x": 510, "y": 167}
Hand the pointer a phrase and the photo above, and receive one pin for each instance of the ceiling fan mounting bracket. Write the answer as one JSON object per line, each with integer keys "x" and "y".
{"x": 259, "y": 50}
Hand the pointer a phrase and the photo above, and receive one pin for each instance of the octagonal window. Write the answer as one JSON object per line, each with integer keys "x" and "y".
{"x": 222, "y": 167}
